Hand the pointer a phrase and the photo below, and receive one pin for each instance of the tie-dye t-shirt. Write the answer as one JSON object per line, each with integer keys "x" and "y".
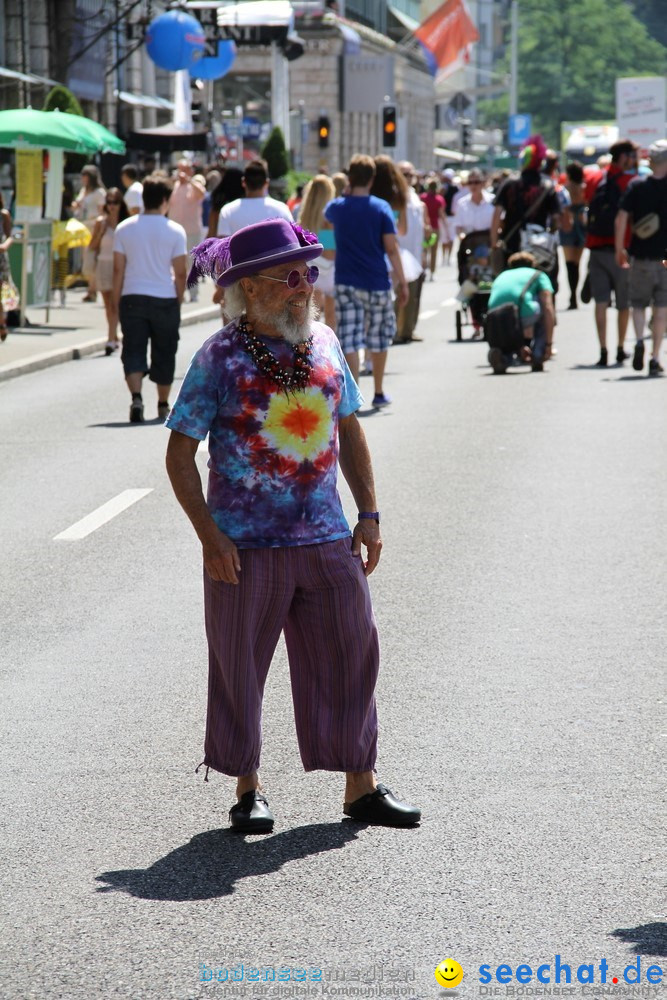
{"x": 272, "y": 455}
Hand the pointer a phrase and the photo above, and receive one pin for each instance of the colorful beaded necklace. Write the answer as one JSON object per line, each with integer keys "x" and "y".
{"x": 288, "y": 380}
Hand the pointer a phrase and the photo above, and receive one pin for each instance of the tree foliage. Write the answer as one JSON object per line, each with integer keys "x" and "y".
{"x": 275, "y": 154}
{"x": 570, "y": 54}
{"x": 59, "y": 98}
{"x": 653, "y": 15}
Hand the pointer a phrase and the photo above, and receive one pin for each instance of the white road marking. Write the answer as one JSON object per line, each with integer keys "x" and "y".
{"x": 427, "y": 315}
{"x": 449, "y": 302}
{"x": 100, "y": 516}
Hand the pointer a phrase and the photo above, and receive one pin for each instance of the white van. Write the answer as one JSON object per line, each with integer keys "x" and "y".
{"x": 587, "y": 142}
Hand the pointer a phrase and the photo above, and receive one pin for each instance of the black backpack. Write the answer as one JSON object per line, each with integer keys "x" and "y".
{"x": 603, "y": 208}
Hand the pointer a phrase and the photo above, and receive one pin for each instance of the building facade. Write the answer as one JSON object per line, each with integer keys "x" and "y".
{"x": 348, "y": 70}
{"x": 86, "y": 45}
{"x": 346, "y": 82}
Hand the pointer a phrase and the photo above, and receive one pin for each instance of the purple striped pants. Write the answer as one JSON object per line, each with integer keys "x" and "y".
{"x": 319, "y": 596}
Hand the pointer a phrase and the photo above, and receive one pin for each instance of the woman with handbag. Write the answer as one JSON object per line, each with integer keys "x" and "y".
{"x": 87, "y": 207}
{"x": 101, "y": 246}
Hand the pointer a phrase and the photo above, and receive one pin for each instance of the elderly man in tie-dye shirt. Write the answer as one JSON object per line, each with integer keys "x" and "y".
{"x": 274, "y": 395}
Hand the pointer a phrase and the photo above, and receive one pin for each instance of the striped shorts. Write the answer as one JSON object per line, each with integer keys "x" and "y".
{"x": 364, "y": 319}
{"x": 318, "y": 595}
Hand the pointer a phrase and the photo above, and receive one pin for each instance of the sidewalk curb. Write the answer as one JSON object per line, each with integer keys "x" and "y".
{"x": 39, "y": 361}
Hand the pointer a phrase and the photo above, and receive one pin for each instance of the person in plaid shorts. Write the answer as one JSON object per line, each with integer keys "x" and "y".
{"x": 365, "y": 231}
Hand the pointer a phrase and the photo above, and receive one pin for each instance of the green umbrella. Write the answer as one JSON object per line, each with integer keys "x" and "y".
{"x": 21, "y": 127}
{"x": 106, "y": 140}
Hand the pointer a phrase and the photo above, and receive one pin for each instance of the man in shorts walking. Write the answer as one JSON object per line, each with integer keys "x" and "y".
{"x": 605, "y": 275}
{"x": 365, "y": 231}
{"x": 149, "y": 274}
{"x": 644, "y": 205}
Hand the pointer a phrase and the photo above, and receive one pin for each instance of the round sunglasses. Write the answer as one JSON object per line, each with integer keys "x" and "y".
{"x": 293, "y": 279}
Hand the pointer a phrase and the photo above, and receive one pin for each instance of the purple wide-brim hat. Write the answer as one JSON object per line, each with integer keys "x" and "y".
{"x": 251, "y": 249}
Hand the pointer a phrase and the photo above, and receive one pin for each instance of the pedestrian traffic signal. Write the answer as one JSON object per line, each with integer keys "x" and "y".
{"x": 388, "y": 126}
{"x": 466, "y": 135}
{"x": 323, "y": 129}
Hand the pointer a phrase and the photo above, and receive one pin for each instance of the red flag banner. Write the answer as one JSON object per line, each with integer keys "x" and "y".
{"x": 447, "y": 33}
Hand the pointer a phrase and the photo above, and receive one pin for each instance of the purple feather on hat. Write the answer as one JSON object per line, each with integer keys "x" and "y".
{"x": 305, "y": 237}
{"x": 210, "y": 257}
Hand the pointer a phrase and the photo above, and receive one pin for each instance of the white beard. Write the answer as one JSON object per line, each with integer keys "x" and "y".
{"x": 290, "y": 329}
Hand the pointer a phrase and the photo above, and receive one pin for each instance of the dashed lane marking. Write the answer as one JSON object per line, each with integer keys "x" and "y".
{"x": 428, "y": 314}
{"x": 449, "y": 302}
{"x": 98, "y": 517}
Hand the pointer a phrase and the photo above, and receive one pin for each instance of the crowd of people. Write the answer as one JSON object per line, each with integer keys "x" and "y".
{"x": 613, "y": 209}
{"x": 386, "y": 228}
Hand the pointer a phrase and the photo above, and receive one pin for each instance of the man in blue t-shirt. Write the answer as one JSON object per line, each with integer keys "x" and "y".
{"x": 365, "y": 236}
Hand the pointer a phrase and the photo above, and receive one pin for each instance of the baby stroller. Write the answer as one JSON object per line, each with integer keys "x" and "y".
{"x": 475, "y": 279}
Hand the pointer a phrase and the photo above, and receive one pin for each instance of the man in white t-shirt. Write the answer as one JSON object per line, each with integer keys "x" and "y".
{"x": 129, "y": 176}
{"x": 149, "y": 275}
{"x": 256, "y": 206}
{"x": 474, "y": 211}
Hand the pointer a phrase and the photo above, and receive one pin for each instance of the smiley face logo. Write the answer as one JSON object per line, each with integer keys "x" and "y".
{"x": 449, "y": 973}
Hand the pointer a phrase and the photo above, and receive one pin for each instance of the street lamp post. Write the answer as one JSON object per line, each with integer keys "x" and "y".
{"x": 514, "y": 56}
{"x": 238, "y": 111}
{"x": 280, "y": 92}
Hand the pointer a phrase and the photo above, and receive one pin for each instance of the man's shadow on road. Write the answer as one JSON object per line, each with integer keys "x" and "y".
{"x": 648, "y": 939}
{"x": 211, "y": 863}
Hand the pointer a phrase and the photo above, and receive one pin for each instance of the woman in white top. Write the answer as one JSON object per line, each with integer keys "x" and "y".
{"x": 87, "y": 207}
{"x": 113, "y": 212}
{"x": 318, "y": 193}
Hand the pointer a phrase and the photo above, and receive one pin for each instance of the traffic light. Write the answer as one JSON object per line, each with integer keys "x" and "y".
{"x": 323, "y": 130}
{"x": 388, "y": 126}
{"x": 466, "y": 135}
{"x": 196, "y": 99}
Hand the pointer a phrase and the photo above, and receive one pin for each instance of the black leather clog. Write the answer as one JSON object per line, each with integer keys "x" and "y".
{"x": 251, "y": 814}
{"x": 382, "y": 808}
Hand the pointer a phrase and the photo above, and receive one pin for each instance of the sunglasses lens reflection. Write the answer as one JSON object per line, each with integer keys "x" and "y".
{"x": 311, "y": 276}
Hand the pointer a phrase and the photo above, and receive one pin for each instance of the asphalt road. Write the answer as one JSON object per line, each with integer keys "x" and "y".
{"x": 520, "y": 605}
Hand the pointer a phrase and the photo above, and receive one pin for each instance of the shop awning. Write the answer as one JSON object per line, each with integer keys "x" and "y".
{"x": 13, "y": 74}
{"x": 455, "y": 156}
{"x": 352, "y": 39}
{"x": 275, "y": 13}
{"x": 143, "y": 100}
{"x": 408, "y": 22}
{"x": 250, "y": 13}
{"x": 168, "y": 139}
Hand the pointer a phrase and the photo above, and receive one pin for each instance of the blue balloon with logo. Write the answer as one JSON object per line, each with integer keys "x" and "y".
{"x": 213, "y": 67}
{"x": 176, "y": 40}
